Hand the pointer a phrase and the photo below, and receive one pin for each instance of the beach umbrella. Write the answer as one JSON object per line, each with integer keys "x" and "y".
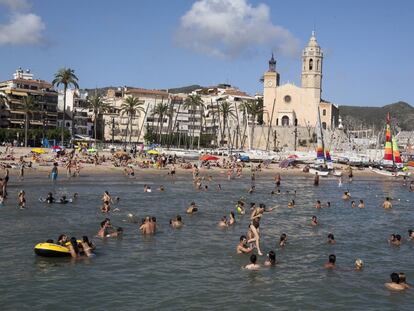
{"x": 38, "y": 150}
{"x": 208, "y": 157}
{"x": 153, "y": 152}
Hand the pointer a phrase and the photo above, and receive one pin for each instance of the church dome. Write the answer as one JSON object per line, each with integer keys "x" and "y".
{"x": 312, "y": 41}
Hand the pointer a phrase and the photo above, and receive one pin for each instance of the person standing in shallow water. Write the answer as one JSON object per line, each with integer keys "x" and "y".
{"x": 54, "y": 172}
{"x": 387, "y": 204}
{"x": 316, "y": 180}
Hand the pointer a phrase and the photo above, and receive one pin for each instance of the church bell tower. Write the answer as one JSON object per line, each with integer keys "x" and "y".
{"x": 312, "y": 57}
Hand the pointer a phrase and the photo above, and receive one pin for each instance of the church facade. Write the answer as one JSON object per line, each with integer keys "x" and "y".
{"x": 290, "y": 105}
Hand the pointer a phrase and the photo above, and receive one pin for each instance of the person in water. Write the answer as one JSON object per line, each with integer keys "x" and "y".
{"x": 403, "y": 280}
{"x": 316, "y": 180}
{"x": 254, "y": 235}
{"x": 240, "y": 207}
{"x": 411, "y": 234}
{"x": 271, "y": 259}
{"x": 353, "y": 204}
{"x": 346, "y": 195}
{"x": 176, "y": 222}
{"x": 318, "y": 204}
{"x": 22, "y": 199}
{"x": 232, "y": 219}
{"x": 387, "y": 203}
{"x": 146, "y": 226}
{"x": 54, "y": 172}
{"x": 62, "y": 239}
{"x": 50, "y": 199}
{"x": 63, "y": 199}
{"x": 75, "y": 251}
{"x": 192, "y": 208}
{"x": 331, "y": 262}
{"x": 253, "y": 265}
{"x": 283, "y": 240}
{"x": 361, "y": 204}
{"x": 242, "y": 247}
{"x": 359, "y": 264}
{"x": 223, "y": 222}
{"x": 314, "y": 221}
{"x": 395, "y": 239}
{"x": 291, "y": 204}
{"x": 331, "y": 239}
{"x": 395, "y": 283}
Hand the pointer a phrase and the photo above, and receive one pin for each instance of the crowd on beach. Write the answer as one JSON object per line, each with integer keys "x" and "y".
{"x": 249, "y": 243}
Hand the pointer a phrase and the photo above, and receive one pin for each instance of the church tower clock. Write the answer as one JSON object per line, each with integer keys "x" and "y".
{"x": 270, "y": 83}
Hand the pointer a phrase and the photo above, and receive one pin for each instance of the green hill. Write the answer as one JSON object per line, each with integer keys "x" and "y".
{"x": 402, "y": 115}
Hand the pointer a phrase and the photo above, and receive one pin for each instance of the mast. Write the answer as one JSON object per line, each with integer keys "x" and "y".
{"x": 321, "y": 135}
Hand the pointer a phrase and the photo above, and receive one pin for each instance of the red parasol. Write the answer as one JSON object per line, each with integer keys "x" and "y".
{"x": 208, "y": 157}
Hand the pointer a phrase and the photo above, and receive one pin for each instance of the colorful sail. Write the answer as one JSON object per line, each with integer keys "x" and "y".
{"x": 396, "y": 154}
{"x": 388, "y": 154}
{"x": 328, "y": 159}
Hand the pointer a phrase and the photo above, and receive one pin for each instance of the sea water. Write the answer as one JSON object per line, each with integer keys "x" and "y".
{"x": 196, "y": 267}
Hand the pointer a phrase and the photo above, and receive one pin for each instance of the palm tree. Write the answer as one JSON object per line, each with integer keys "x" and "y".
{"x": 254, "y": 109}
{"x": 98, "y": 107}
{"x": 226, "y": 110}
{"x": 192, "y": 102}
{"x": 161, "y": 110}
{"x": 29, "y": 106}
{"x": 132, "y": 107}
{"x": 66, "y": 77}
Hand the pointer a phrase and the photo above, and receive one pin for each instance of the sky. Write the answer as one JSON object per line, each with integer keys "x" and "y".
{"x": 368, "y": 45}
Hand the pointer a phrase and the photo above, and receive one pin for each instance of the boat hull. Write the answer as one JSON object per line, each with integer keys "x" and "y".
{"x": 318, "y": 172}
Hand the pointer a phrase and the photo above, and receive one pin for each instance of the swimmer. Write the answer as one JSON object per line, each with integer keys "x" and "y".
{"x": 278, "y": 180}
{"x": 63, "y": 200}
{"x": 316, "y": 180}
{"x": 395, "y": 239}
{"x": 153, "y": 223}
{"x": 21, "y": 199}
{"x": 105, "y": 207}
{"x": 252, "y": 265}
{"x": 50, "y": 199}
{"x": 277, "y": 192}
{"x": 353, "y": 204}
{"x": 62, "y": 240}
{"x": 291, "y": 204}
{"x": 254, "y": 235}
{"x": 314, "y": 221}
{"x": 331, "y": 239}
{"x": 361, "y": 204}
{"x": 403, "y": 280}
{"x": 232, "y": 220}
{"x": 410, "y": 234}
{"x": 223, "y": 222}
{"x": 161, "y": 188}
{"x": 395, "y": 283}
{"x": 192, "y": 208}
{"x": 147, "y": 188}
{"x": 328, "y": 204}
{"x": 387, "y": 204}
{"x": 346, "y": 195}
{"x": 271, "y": 259}
{"x": 318, "y": 204}
{"x": 242, "y": 247}
{"x": 359, "y": 264}
{"x": 219, "y": 187}
{"x": 283, "y": 240}
{"x": 331, "y": 262}
{"x": 176, "y": 222}
{"x": 252, "y": 189}
{"x": 146, "y": 226}
{"x": 240, "y": 208}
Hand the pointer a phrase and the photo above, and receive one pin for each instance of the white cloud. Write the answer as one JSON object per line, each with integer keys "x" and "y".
{"x": 230, "y": 28}
{"x": 22, "y": 29}
{"x": 15, "y": 5}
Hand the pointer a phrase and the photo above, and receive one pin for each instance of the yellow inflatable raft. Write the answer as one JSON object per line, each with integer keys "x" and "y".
{"x": 51, "y": 250}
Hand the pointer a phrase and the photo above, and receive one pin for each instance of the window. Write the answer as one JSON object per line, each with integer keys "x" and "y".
{"x": 324, "y": 112}
{"x": 311, "y": 64}
{"x": 287, "y": 99}
{"x": 317, "y": 65}
{"x": 324, "y": 125}
{"x": 285, "y": 121}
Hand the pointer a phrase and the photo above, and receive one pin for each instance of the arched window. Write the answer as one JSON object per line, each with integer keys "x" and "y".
{"x": 324, "y": 112}
{"x": 317, "y": 65}
{"x": 311, "y": 64}
{"x": 285, "y": 121}
{"x": 324, "y": 125}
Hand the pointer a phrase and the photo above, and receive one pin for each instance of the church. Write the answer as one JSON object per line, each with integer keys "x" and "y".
{"x": 290, "y": 105}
